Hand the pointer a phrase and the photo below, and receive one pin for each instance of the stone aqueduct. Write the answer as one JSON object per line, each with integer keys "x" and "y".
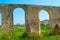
{"x": 31, "y": 17}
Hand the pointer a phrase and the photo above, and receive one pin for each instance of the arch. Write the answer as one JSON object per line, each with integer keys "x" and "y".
{"x": 44, "y": 20}
{"x": 46, "y": 13}
{"x": 0, "y": 23}
{"x": 18, "y": 10}
{"x": 19, "y": 19}
{"x": 1, "y": 19}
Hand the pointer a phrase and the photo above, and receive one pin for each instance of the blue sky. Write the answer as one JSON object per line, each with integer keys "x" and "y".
{"x": 19, "y": 14}
{"x": 36, "y": 2}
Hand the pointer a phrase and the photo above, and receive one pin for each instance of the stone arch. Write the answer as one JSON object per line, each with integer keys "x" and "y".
{"x": 22, "y": 7}
{"x": 20, "y": 17}
{"x": 22, "y": 11}
{"x": 43, "y": 16}
{"x": 44, "y": 11}
{"x": 50, "y": 16}
{"x": 49, "y": 11}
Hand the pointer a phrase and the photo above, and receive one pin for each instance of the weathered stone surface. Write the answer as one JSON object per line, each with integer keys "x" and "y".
{"x": 31, "y": 17}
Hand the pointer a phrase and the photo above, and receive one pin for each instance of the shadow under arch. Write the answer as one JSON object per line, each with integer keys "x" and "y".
{"x": 19, "y": 17}
{"x": 56, "y": 26}
{"x": 56, "y": 29}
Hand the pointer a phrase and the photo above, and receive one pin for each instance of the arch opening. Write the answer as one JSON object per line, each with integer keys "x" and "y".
{"x": 19, "y": 21}
{"x": 0, "y": 23}
{"x": 44, "y": 21}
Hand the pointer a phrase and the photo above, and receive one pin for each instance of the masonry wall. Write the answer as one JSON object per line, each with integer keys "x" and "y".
{"x": 31, "y": 17}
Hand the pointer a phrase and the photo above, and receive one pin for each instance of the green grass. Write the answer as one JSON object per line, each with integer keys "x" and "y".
{"x": 46, "y": 29}
{"x": 20, "y": 30}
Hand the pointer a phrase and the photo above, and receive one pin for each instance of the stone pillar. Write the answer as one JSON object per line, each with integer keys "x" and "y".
{"x": 7, "y": 20}
{"x": 34, "y": 25}
{"x": 54, "y": 20}
{"x": 32, "y": 21}
{"x": 51, "y": 27}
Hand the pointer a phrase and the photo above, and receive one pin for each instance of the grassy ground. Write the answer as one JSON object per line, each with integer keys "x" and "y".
{"x": 19, "y": 31}
{"x": 46, "y": 29}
